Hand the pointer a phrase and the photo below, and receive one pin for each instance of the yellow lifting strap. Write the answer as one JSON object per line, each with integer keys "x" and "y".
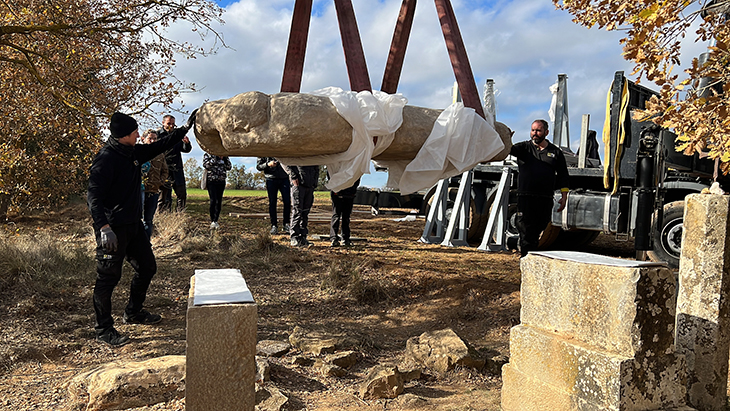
{"x": 620, "y": 140}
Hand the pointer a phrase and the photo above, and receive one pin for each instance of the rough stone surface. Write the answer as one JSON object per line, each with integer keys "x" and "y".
{"x": 594, "y": 337}
{"x": 703, "y": 309}
{"x": 625, "y": 310}
{"x": 254, "y": 124}
{"x": 317, "y": 343}
{"x": 123, "y": 385}
{"x": 221, "y": 363}
{"x": 269, "y": 398}
{"x": 272, "y": 348}
{"x": 263, "y": 370}
{"x": 345, "y": 359}
{"x": 382, "y": 382}
{"x": 442, "y": 350}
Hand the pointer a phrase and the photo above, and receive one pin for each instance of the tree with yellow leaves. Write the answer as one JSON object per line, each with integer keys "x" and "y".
{"x": 65, "y": 66}
{"x": 696, "y": 105}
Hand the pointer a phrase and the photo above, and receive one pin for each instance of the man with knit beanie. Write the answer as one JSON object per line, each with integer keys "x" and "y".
{"x": 114, "y": 200}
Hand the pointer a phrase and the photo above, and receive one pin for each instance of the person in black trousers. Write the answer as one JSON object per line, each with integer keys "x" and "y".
{"x": 542, "y": 170}
{"x": 277, "y": 181}
{"x": 114, "y": 198}
{"x": 217, "y": 171}
{"x": 342, "y": 203}
{"x": 303, "y": 182}
{"x": 176, "y": 177}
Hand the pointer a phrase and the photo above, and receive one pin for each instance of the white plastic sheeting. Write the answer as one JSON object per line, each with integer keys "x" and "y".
{"x": 458, "y": 141}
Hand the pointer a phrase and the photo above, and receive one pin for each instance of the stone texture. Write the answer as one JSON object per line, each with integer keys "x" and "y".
{"x": 270, "y": 399}
{"x": 382, "y": 382}
{"x": 703, "y": 309}
{"x": 254, "y": 124}
{"x": 345, "y": 359}
{"x": 263, "y": 370}
{"x": 272, "y": 348}
{"x": 625, "y": 310}
{"x": 594, "y": 337}
{"x": 221, "y": 364}
{"x": 316, "y": 343}
{"x": 121, "y": 385}
{"x": 442, "y": 350}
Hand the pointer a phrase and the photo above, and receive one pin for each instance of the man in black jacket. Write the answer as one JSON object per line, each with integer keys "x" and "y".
{"x": 303, "y": 182}
{"x": 276, "y": 181}
{"x": 176, "y": 176}
{"x": 114, "y": 199}
{"x": 542, "y": 170}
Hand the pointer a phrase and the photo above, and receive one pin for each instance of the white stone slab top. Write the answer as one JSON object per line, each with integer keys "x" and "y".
{"x": 589, "y": 258}
{"x": 220, "y": 286}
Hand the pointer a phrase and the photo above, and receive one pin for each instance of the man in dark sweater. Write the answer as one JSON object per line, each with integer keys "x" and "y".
{"x": 277, "y": 181}
{"x": 114, "y": 200}
{"x": 542, "y": 170}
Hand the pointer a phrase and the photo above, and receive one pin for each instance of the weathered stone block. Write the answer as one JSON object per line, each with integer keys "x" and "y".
{"x": 598, "y": 378}
{"x": 221, "y": 348}
{"x": 254, "y": 124}
{"x": 615, "y": 305}
{"x": 703, "y": 309}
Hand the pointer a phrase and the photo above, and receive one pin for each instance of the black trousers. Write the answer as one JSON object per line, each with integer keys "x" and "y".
{"x": 341, "y": 211}
{"x": 533, "y": 215}
{"x": 215, "y": 193}
{"x": 165, "y": 202}
{"x": 134, "y": 246}
{"x": 302, "y": 200}
{"x": 274, "y": 186}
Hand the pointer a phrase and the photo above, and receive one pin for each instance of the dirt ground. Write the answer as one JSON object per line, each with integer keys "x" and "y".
{"x": 385, "y": 289}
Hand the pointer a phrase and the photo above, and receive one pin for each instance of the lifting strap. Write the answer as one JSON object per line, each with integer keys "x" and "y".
{"x": 621, "y": 137}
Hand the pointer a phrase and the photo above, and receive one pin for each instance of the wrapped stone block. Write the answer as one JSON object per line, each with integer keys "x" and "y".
{"x": 254, "y": 124}
{"x": 703, "y": 309}
{"x": 622, "y": 306}
{"x": 221, "y": 349}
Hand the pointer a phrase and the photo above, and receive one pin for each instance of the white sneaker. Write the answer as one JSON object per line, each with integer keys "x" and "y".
{"x": 274, "y": 230}
{"x": 214, "y": 225}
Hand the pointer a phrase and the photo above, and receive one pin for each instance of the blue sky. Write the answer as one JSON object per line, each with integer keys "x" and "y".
{"x": 522, "y": 44}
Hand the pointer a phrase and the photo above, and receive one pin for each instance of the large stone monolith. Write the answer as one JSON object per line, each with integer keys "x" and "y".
{"x": 703, "y": 309}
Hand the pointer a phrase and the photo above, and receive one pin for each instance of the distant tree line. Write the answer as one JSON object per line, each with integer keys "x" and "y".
{"x": 238, "y": 178}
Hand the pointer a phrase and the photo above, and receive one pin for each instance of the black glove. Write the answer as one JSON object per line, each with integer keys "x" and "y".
{"x": 109, "y": 240}
{"x": 191, "y": 120}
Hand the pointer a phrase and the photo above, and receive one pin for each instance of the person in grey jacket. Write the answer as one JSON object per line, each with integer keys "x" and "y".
{"x": 303, "y": 182}
{"x": 276, "y": 181}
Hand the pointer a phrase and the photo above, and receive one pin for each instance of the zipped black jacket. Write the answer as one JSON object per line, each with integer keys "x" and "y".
{"x": 115, "y": 179}
{"x": 262, "y": 164}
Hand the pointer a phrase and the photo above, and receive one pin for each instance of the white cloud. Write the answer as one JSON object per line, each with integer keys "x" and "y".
{"x": 522, "y": 44}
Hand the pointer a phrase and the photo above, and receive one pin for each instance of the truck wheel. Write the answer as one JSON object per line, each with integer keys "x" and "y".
{"x": 668, "y": 238}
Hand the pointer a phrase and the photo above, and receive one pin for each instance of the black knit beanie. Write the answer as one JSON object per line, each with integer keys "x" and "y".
{"x": 122, "y": 125}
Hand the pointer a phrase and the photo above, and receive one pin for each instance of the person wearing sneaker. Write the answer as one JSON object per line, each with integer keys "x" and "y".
{"x": 277, "y": 181}
{"x": 303, "y": 182}
{"x": 342, "y": 203}
{"x": 217, "y": 171}
{"x": 114, "y": 201}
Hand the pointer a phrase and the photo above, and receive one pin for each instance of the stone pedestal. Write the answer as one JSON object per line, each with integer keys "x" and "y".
{"x": 221, "y": 343}
{"x": 597, "y": 333}
{"x": 702, "y": 304}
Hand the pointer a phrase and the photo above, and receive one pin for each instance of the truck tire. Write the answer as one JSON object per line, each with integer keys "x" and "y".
{"x": 668, "y": 237}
